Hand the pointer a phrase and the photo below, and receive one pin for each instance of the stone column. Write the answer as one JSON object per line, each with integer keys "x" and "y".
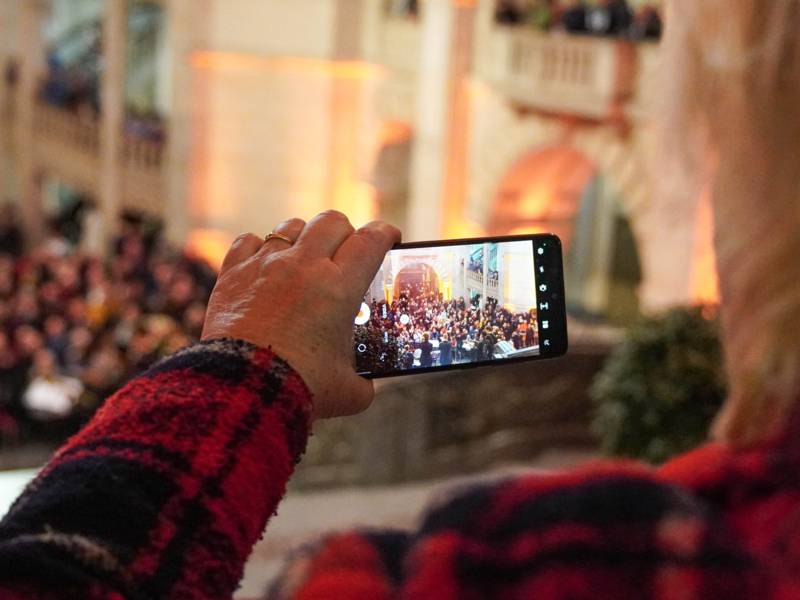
{"x": 31, "y": 69}
{"x": 438, "y": 171}
{"x": 185, "y": 34}
{"x": 112, "y": 118}
{"x": 596, "y": 286}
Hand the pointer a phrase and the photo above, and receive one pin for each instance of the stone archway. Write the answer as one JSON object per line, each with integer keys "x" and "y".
{"x": 560, "y": 190}
{"x": 541, "y": 192}
{"x": 664, "y": 235}
{"x": 417, "y": 279}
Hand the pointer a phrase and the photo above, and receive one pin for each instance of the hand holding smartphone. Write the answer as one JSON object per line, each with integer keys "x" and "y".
{"x": 463, "y": 303}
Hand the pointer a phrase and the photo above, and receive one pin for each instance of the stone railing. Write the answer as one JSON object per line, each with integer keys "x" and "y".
{"x": 67, "y": 144}
{"x": 559, "y": 73}
{"x": 67, "y": 128}
{"x": 143, "y": 175}
{"x": 476, "y": 278}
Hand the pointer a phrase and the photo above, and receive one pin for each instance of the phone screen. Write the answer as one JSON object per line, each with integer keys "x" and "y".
{"x": 455, "y": 304}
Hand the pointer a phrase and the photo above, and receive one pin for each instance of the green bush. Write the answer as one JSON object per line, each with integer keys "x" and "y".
{"x": 661, "y": 387}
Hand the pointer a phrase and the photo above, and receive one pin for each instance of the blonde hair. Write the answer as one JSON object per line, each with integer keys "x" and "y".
{"x": 731, "y": 120}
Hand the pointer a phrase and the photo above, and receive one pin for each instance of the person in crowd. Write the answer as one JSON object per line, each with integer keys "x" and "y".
{"x": 426, "y": 352}
{"x": 646, "y": 24}
{"x": 508, "y": 12}
{"x": 50, "y": 396}
{"x": 541, "y": 14}
{"x": 573, "y": 17}
{"x": 404, "y": 8}
{"x": 445, "y": 351}
{"x": 10, "y": 230}
{"x": 609, "y": 18}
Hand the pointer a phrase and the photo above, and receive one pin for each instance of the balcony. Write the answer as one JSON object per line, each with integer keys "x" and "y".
{"x": 563, "y": 74}
{"x": 67, "y": 145}
{"x": 143, "y": 178}
{"x": 475, "y": 279}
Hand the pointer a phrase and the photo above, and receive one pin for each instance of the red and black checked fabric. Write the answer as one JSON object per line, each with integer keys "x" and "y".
{"x": 714, "y": 524}
{"x": 165, "y": 491}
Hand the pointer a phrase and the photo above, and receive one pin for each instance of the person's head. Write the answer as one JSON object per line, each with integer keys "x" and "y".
{"x": 80, "y": 338}
{"x": 425, "y": 337}
{"x": 44, "y": 364}
{"x": 731, "y": 127}
{"x": 55, "y": 326}
{"x": 76, "y": 310}
{"x": 27, "y": 340}
{"x": 182, "y": 289}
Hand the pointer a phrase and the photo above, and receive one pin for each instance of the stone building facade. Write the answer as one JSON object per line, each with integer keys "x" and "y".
{"x": 443, "y": 122}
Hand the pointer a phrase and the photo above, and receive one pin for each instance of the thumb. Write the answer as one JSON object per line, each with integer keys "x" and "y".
{"x": 353, "y": 395}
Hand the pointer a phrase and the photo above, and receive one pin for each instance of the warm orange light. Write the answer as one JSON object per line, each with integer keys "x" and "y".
{"x": 209, "y": 244}
{"x": 359, "y": 203}
{"x": 463, "y": 229}
{"x": 541, "y": 192}
{"x": 344, "y": 69}
{"x": 528, "y": 230}
{"x": 394, "y": 132}
{"x": 705, "y": 281}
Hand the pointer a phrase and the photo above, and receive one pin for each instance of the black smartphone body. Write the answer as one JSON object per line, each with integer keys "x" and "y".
{"x": 454, "y": 304}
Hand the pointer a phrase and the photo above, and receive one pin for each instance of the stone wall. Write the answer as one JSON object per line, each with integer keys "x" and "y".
{"x": 452, "y": 423}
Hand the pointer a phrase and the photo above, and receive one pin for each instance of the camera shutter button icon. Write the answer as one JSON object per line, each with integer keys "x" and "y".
{"x": 363, "y": 314}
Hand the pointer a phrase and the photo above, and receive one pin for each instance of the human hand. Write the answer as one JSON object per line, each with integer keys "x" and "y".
{"x": 301, "y": 301}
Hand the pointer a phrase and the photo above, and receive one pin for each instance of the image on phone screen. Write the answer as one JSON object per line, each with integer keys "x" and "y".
{"x": 458, "y": 304}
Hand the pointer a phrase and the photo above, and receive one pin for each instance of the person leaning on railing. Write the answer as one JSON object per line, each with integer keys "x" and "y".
{"x": 166, "y": 490}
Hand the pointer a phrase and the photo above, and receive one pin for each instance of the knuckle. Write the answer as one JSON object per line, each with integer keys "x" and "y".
{"x": 332, "y": 213}
{"x": 380, "y": 232}
{"x": 289, "y": 224}
{"x": 240, "y": 239}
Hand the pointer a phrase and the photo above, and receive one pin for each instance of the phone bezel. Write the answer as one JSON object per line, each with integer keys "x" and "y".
{"x": 554, "y": 267}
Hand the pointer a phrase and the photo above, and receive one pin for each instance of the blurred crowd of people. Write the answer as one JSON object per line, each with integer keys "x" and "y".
{"x": 599, "y": 17}
{"x": 431, "y": 331}
{"x": 74, "y": 327}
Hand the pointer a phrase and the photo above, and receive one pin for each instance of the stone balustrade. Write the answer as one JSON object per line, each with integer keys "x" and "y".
{"x": 67, "y": 145}
{"x": 476, "y": 278}
{"x": 587, "y": 77}
{"x": 144, "y": 175}
{"x": 67, "y": 128}
{"x": 559, "y": 73}
{"x": 142, "y": 154}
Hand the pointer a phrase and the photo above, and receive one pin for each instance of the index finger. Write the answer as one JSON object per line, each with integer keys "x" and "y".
{"x": 361, "y": 254}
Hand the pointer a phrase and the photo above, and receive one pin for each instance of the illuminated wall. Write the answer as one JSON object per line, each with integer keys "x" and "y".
{"x": 280, "y": 127}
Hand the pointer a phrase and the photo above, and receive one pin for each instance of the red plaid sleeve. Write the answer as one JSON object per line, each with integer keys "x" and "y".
{"x": 165, "y": 491}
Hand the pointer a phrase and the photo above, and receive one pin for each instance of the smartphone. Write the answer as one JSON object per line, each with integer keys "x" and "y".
{"x": 436, "y": 306}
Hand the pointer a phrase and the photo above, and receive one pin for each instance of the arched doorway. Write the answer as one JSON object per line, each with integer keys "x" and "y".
{"x": 391, "y": 172}
{"x": 416, "y": 280}
{"x": 560, "y": 190}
